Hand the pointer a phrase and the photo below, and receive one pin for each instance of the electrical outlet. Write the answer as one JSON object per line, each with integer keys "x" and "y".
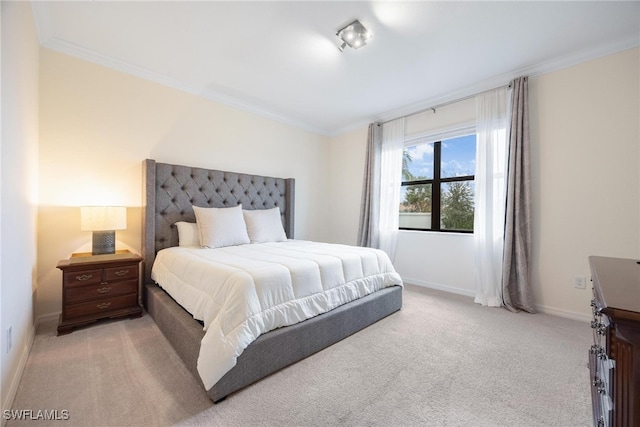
{"x": 580, "y": 282}
{"x": 8, "y": 339}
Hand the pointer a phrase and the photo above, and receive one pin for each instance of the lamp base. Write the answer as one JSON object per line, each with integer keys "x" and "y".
{"x": 104, "y": 242}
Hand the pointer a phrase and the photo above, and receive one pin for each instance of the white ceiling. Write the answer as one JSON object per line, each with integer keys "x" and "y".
{"x": 280, "y": 59}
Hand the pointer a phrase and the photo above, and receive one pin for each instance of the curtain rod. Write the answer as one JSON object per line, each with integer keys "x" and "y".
{"x": 444, "y": 104}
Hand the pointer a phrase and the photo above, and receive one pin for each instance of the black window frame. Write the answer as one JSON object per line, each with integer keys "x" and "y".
{"x": 436, "y": 191}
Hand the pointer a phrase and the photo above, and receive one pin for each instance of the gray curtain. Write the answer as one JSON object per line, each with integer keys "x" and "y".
{"x": 516, "y": 274}
{"x": 368, "y": 234}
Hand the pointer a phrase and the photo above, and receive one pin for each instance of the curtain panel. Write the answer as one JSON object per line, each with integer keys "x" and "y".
{"x": 490, "y": 194}
{"x": 516, "y": 274}
{"x": 381, "y": 187}
{"x": 390, "y": 181}
{"x": 368, "y": 234}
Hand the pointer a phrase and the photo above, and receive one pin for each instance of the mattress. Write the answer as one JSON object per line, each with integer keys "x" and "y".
{"x": 240, "y": 292}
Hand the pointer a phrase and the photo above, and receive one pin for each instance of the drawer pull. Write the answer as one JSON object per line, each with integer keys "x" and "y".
{"x": 121, "y": 273}
{"x": 84, "y": 277}
{"x": 594, "y": 308}
{"x": 598, "y": 351}
{"x": 600, "y": 386}
{"x": 103, "y": 305}
{"x": 104, "y": 290}
{"x": 598, "y": 326}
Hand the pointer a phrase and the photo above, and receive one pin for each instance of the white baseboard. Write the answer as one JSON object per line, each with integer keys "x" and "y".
{"x": 563, "y": 313}
{"x": 17, "y": 376}
{"x": 438, "y": 286}
{"x": 45, "y": 318}
{"x": 541, "y": 308}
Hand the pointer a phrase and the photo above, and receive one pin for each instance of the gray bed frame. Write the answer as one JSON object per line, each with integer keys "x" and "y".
{"x": 169, "y": 192}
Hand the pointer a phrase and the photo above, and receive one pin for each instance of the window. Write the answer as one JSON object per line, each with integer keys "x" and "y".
{"x": 438, "y": 184}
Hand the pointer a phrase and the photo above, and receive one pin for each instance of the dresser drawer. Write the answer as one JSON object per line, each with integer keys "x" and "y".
{"x": 101, "y": 307}
{"x": 615, "y": 356}
{"x": 121, "y": 273}
{"x": 600, "y": 367}
{"x": 81, "y": 278}
{"x": 102, "y": 290}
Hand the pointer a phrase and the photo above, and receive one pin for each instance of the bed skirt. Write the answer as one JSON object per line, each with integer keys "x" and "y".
{"x": 273, "y": 350}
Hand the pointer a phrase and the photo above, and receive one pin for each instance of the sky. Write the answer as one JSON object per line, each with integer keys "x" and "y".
{"x": 458, "y": 157}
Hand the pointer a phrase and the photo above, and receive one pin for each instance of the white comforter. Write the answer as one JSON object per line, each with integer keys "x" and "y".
{"x": 240, "y": 292}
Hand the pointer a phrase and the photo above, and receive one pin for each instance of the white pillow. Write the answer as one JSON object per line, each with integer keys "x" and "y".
{"x": 264, "y": 225}
{"x": 219, "y": 227}
{"x": 188, "y": 234}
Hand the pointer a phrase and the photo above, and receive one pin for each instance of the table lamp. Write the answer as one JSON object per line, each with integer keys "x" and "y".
{"x": 103, "y": 221}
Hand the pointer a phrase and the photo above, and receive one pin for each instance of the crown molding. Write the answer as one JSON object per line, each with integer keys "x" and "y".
{"x": 241, "y": 104}
{"x": 41, "y": 14}
{"x": 207, "y": 93}
{"x": 556, "y": 64}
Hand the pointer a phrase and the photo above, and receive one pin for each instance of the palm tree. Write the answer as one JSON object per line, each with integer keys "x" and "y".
{"x": 406, "y": 159}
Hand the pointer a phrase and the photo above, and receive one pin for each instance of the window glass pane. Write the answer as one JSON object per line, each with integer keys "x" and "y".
{"x": 415, "y": 206}
{"x": 457, "y": 205}
{"x": 458, "y": 156}
{"x": 417, "y": 162}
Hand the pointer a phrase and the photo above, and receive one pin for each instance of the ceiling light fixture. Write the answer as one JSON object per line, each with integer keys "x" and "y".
{"x": 354, "y": 35}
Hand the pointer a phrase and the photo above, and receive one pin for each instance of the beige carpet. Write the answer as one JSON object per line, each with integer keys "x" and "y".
{"x": 440, "y": 361}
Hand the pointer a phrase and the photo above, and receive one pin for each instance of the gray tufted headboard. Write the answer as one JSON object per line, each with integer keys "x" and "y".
{"x": 170, "y": 191}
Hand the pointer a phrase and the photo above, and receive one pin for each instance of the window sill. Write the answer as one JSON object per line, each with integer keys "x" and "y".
{"x": 436, "y": 233}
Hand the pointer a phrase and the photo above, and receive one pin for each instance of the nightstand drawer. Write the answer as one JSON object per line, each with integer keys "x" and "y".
{"x": 121, "y": 273}
{"x": 84, "y": 277}
{"x": 101, "y": 306}
{"x": 84, "y": 293}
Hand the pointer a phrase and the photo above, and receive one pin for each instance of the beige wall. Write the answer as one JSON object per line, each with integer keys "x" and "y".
{"x": 18, "y": 190}
{"x": 346, "y": 165}
{"x": 585, "y": 134}
{"x": 96, "y": 127}
{"x": 585, "y": 125}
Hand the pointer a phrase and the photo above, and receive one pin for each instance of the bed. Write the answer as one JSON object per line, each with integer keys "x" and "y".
{"x": 169, "y": 192}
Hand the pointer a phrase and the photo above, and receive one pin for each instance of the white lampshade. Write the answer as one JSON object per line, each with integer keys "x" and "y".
{"x": 103, "y": 221}
{"x": 103, "y": 218}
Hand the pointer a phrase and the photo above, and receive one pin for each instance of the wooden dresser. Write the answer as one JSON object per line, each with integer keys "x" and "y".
{"x": 98, "y": 287}
{"x": 614, "y": 359}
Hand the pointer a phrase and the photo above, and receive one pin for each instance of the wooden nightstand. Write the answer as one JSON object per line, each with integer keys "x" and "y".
{"x": 98, "y": 287}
